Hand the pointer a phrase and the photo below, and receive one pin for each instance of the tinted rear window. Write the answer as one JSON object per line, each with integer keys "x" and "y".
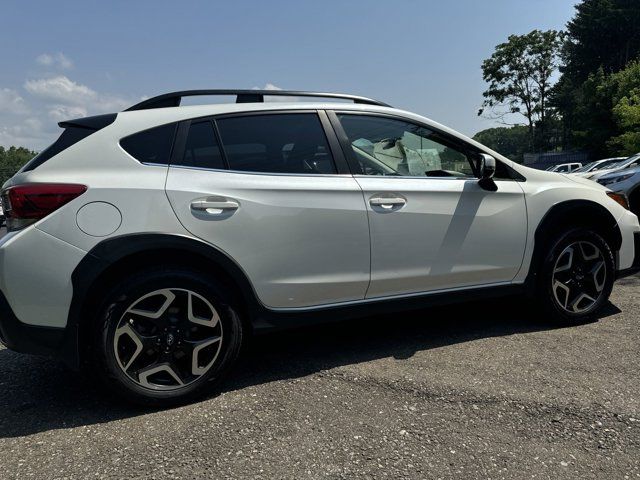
{"x": 151, "y": 146}
{"x": 281, "y": 143}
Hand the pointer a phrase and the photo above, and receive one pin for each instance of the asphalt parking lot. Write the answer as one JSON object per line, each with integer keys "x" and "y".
{"x": 471, "y": 391}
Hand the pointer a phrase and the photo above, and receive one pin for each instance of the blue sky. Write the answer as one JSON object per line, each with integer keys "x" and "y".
{"x": 64, "y": 59}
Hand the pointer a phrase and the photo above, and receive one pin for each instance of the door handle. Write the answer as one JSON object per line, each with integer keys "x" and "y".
{"x": 388, "y": 203}
{"x": 214, "y": 207}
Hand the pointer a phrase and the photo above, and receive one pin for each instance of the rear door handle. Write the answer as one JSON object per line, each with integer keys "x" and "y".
{"x": 214, "y": 206}
{"x": 388, "y": 203}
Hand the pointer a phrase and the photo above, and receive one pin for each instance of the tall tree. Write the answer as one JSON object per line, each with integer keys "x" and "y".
{"x": 601, "y": 39}
{"x": 519, "y": 74}
{"x": 626, "y": 110}
{"x": 603, "y": 34}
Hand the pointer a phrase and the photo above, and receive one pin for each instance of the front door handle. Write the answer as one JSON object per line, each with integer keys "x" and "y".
{"x": 388, "y": 203}
{"x": 214, "y": 205}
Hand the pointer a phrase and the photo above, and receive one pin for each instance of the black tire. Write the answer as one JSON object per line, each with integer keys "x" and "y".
{"x": 127, "y": 293}
{"x": 550, "y": 303}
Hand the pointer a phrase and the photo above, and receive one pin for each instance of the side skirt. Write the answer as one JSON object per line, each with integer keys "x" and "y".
{"x": 266, "y": 320}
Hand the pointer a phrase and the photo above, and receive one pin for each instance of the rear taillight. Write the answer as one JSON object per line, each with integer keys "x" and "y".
{"x": 28, "y": 203}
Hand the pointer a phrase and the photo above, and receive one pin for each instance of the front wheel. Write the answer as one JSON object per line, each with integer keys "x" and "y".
{"x": 165, "y": 335}
{"x": 576, "y": 277}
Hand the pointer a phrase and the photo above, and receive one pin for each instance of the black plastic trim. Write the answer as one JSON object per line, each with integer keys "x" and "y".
{"x": 96, "y": 122}
{"x": 635, "y": 266}
{"x": 25, "y": 338}
{"x": 270, "y": 320}
{"x": 550, "y": 219}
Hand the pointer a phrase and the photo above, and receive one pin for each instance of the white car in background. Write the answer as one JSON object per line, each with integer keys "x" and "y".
{"x": 597, "y": 165}
{"x": 148, "y": 245}
{"x": 565, "y": 167}
{"x": 629, "y": 162}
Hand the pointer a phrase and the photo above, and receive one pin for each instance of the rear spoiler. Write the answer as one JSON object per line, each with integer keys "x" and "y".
{"x": 96, "y": 122}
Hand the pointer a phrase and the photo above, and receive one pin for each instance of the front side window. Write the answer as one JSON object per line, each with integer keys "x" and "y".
{"x": 151, "y": 146}
{"x": 385, "y": 146}
{"x": 276, "y": 143}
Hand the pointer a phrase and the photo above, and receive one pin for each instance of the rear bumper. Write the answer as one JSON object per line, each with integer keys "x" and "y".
{"x": 635, "y": 266}
{"x": 25, "y": 338}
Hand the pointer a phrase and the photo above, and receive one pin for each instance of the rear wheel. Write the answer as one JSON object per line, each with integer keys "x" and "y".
{"x": 165, "y": 335}
{"x": 576, "y": 276}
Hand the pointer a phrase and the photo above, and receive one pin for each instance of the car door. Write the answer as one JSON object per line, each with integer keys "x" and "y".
{"x": 274, "y": 193}
{"x": 432, "y": 225}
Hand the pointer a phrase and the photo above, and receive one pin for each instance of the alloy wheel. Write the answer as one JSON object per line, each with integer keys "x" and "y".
{"x": 579, "y": 277}
{"x": 168, "y": 339}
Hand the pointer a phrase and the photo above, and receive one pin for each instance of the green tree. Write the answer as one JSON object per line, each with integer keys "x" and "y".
{"x": 511, "y": 142}
{"x": 601, "y": 39}
{"x": 519, "y": 74}
{"x": 626, "y": 110}
{"x": 11, "y": 160}
{"x": 602, "y": 34}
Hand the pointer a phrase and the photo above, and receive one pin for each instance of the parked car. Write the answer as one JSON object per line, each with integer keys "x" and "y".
{"x": 148, "y": 245}
{"x": 627, "y": 182}
{"x": 629, "y": 162}
{"x": 565, "y": 167}
{"x": 598, "y": 165}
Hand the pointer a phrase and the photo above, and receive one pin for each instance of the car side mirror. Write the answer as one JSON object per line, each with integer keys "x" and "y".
{"x": 486, "y": 171}
{"x": 487, "y": 166}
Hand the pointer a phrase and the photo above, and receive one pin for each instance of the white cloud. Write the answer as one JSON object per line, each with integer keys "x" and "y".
{"x": 271, "y": 86}
{"x": 60, "y": 88}
{"x": 64, "y": 91}
{"x": 30, "y": 118}
{"x": 12, "y": 102}
{"x": 25, "y": 133}
{"x": 59, "y": 113}
{"x": 59, "y": 60}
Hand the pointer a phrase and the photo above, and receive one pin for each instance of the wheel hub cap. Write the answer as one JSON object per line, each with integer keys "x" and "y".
{"x": 579, "y": 277}
{"x": 168, "y": 339}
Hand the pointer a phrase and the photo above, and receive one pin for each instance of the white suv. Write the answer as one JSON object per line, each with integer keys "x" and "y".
{"x": 150, "y": 243}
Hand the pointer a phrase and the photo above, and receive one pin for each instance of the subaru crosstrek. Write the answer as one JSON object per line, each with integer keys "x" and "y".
{"x": 149, "y": 244}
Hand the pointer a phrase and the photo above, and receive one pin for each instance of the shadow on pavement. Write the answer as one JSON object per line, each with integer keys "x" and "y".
{"x": 38, "y": 394}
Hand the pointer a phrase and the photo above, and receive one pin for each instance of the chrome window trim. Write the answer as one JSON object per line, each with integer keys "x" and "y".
{"x": 271, "y": 174}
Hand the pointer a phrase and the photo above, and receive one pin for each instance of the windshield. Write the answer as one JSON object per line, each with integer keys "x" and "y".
{"x": 586, "y": 168}
{"x": 631, "y": 161}
{"x": 606, "y": 164}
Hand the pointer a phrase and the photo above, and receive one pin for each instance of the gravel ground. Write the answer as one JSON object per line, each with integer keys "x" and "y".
{"x": 473, "y": 391}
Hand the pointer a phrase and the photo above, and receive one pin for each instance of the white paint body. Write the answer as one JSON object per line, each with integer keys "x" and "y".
{"x": 304, "y": 241}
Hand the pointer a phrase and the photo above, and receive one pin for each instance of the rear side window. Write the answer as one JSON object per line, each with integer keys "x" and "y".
{"x": 151, "y": 146}
{"x": 280, "y": 143}
{"x": 201, "y": 148}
